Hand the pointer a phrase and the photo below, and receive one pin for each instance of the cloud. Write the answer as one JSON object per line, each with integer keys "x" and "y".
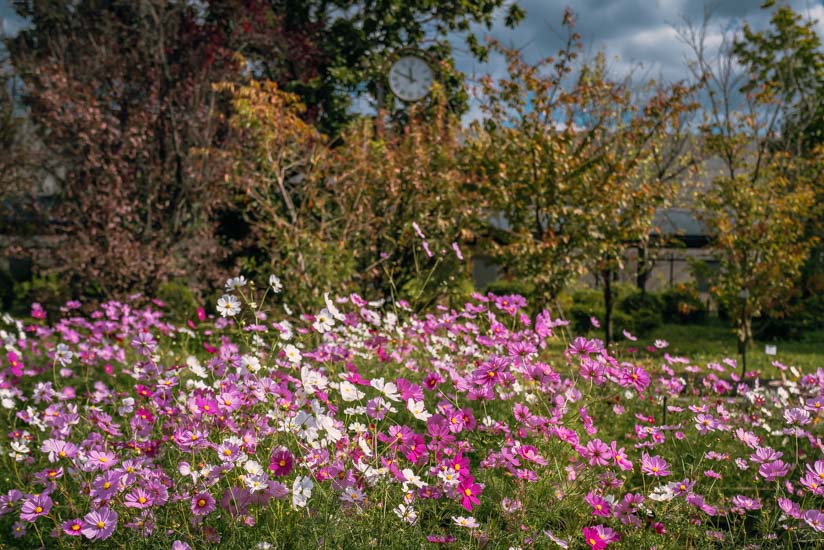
{"x": 638, "y": 36}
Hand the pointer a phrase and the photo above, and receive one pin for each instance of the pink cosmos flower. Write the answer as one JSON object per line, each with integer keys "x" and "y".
{"x": 72, "y": 527}
{"x": 774, "y": 470}
{"x": 597, "y": 453}
{"x": 58, "y": 449}
{"x": 102, "y": 460}
{"x": 742, "y": 503}
{"x": 203, "y": 503}
{"x": 138, "y": 498}
{"x": 619, "y": 457}
{"x": 15, "y": 363}
{"x": 600, "y": 506}
{"x": 814, "y": 519}
{"x": 654, "y": 466}
{"x": 99, "y": 524}
{"x": 35, "y": 507}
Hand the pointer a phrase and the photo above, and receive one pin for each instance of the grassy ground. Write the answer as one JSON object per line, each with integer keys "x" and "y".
{"x": 714, "y": 340}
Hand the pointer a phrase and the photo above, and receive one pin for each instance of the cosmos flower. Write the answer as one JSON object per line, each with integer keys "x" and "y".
{"x": 35, "y": 507}
{"x": 599, "y": 536}
{"x": 654, "y": 466}
{"x": 99, "y": 524}
{"x": 228, "y": 305}
{"x": 202, "y": 503}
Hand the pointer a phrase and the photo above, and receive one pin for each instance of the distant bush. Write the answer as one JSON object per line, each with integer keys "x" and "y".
{"x": 179, "y": 300}
{"x": 805, "y": 315}
{"x": 682, "y": 304}
{"x": 633, "y": 312}
{"x": 639, "y": 313}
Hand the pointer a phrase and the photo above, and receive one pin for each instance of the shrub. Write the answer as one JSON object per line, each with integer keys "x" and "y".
{"x": 682, "y": 304}
{"x": 638, "y": 313}
{"x": 179, "y": 300}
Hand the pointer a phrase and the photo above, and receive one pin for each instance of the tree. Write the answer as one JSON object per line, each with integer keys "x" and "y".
{"x": 341, "y": 218}
{"x": 567, "y": 159}
{"x": 787, "y": 58}
{"x": 757, "y": 208}
{"x": 352, "y": 43}
{"x": 121, "y": 94}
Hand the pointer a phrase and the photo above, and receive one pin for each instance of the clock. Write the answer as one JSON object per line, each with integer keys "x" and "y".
{"x": 410, "y": 78}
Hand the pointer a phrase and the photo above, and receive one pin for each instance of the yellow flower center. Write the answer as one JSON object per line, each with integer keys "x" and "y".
{"x": 201, "y": 502}
{"x": 142, "y": 500}
{"x": 100, "y": 525}
{"x": 38, "y": 509}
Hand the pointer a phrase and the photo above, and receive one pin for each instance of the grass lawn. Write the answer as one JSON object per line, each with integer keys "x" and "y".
{"x": 715, "y": 339}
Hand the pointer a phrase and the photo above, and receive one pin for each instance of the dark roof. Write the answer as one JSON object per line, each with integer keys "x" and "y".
{"x": 678, "y": 222}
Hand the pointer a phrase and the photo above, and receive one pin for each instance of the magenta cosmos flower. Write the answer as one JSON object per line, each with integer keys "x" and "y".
{"x": 469, "y": 491}
{"x": 599, "y": 536}
{"x": 99, "y": 524}
{"x": 202, "y": 504}
{"x": 280, "y": 462}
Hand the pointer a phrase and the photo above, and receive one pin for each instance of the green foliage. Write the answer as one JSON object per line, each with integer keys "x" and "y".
{"x": 47, "y": 290}
{"x": 803, "y": 316}
{"x": 180, "y": 302}
{"x": 353, "y": 43}
{"x": 635, "y": 312}
{"x": 682, "y": 304}
{"x": 638, "y": 313}
{"x": 570, "y": 159}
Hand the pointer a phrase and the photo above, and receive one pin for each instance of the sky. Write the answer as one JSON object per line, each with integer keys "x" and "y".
{"x": 637, "y": 35}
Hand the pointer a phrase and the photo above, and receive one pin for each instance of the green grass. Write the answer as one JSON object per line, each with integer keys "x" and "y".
{"x": 715, "y": 340}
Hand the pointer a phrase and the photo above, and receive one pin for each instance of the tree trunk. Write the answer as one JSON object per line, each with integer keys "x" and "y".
{"x": 607, "y": 274}
{"x": 642, "y": 271}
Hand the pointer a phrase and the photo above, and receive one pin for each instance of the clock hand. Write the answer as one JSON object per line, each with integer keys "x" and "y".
{"x": 409, "y": 76}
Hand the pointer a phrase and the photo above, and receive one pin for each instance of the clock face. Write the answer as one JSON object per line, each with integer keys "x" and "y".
{"x": 410, "y": 78}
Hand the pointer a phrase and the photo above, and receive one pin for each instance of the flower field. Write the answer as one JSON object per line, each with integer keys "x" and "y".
{"x": 367, "y": 425}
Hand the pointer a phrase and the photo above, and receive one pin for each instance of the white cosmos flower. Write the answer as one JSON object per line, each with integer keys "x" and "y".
{"x": 256, "y": 483}
{"x": 253, "y": 468}
{"x": 389, "y": 389}
{"x": 228, "y": 305}
{"x": 324, "y": 321}
{"x": 292, "y": 354}
{"x": 469, "y": 522}
{"x": 195, "y": 366}
{"x": 301, "y": 491}
{"x": 63, "y": 355}
{"x": 412, "y": 478}
{"x": 312, "y": 380}
{"x": 274, "y": 282}
{"x": 332, "y": 308}
{"x": 406, "y": 513}
{"x": 662, "y": 493}
{"x": 235, "y": 282}
{"x": 418, "y": 409}
{"x": 350, "y": 392}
